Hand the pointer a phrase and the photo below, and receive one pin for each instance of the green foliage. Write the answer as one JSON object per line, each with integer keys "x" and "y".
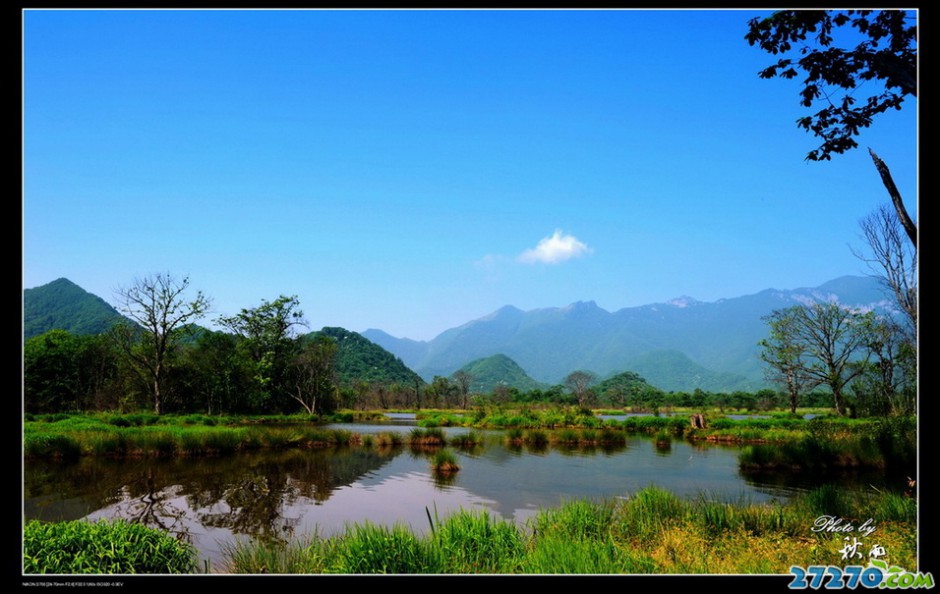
{"x": 822, "y": 344}
{"x": 268, "y": 338}
{"x": 80, "y": 547}
{"x": 882, "y": 48}
{"x": 64, "y": 371}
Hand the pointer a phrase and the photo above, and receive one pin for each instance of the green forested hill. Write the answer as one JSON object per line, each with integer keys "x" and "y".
{"x": 63, "y": 305}
{"x": 359, "y": 359}
{"x": 628, "y": 383}
{"x": 489, "y": 372}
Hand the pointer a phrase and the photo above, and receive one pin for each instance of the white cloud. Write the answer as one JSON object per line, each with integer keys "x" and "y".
{"x": 555, "y": 249}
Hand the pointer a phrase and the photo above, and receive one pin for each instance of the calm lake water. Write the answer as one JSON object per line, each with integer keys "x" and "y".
{"x": 287, "y": 494}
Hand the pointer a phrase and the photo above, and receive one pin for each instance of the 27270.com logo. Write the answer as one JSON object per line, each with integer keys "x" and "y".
{"x": 876, "y": 575}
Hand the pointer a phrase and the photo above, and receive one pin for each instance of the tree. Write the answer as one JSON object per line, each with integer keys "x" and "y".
{"x": 269, "y": 336}
{"x": 160, "y": 314}
{"x": 887, "y": 53}
{"x": 889, "y": 381}
{"x": 51, "y": 372}
{"x": 463, "y": 380}
{"x": 893, "y": 261}
{"x": 314, "y": 372}
{"x": 578, "y": 382}
{"x": 785, "y": 355}
{"x": 440, "y": 391}
{"x": 220, "y": 373}
{"x": 832, "y": 343}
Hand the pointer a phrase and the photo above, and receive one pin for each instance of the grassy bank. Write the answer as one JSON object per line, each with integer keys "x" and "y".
{"x": 651, "y": 532}
{"x": 780, "y": 443}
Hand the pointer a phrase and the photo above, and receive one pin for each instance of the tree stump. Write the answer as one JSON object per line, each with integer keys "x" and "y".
{"x": 698, "y": 421}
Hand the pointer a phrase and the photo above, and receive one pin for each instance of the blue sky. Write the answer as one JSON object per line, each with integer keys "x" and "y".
{"x": 411, "y": 170}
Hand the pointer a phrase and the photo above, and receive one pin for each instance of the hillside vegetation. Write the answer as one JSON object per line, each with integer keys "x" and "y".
{"x": 63, "y": 305}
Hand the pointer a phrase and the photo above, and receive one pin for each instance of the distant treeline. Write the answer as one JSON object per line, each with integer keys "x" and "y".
{"x": 216, "y": 373}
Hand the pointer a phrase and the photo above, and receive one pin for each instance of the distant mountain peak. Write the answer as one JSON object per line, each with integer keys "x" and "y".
{"x": 581, "y": 306}
{"x": 504, "y": 311}
{"x": 63, "y": 305}
{"x": 683, "y": 301}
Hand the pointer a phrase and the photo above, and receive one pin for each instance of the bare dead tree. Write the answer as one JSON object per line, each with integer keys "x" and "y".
{"x": 159, "y": 307}
{"x": 902, "y": 216}
{"x": 892, "y": 260}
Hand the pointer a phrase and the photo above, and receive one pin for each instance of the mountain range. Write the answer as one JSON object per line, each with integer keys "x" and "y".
{"x": 682, "y": 344}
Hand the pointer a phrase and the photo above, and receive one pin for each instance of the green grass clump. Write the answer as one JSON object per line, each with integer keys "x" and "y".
{"x": 309, "y": 555}
{"x": 431, "y": 436}
{"x": 467, "y": 440}
{"x": 611, "y": 436}
{"x": 556, "y": 555}
{"x": 40, "y": 444}
{"x": 80, "y": 547}
{"x": 893, "y": 507}
{"x": 471, "y": 542}
{"x": 648, "y": 513}
{"x": 370, "y": 549}
{"x": 444, "y": 461}
{"x": 388, "y": 439}
{"x": 535, "y": 437}
{"x": 576, "y": 520}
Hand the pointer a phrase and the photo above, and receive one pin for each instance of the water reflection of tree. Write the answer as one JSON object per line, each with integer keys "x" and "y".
{"x": 245, "y": 493}
{"x": 256, "y": 496}
{"x": 147, "y": 505}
